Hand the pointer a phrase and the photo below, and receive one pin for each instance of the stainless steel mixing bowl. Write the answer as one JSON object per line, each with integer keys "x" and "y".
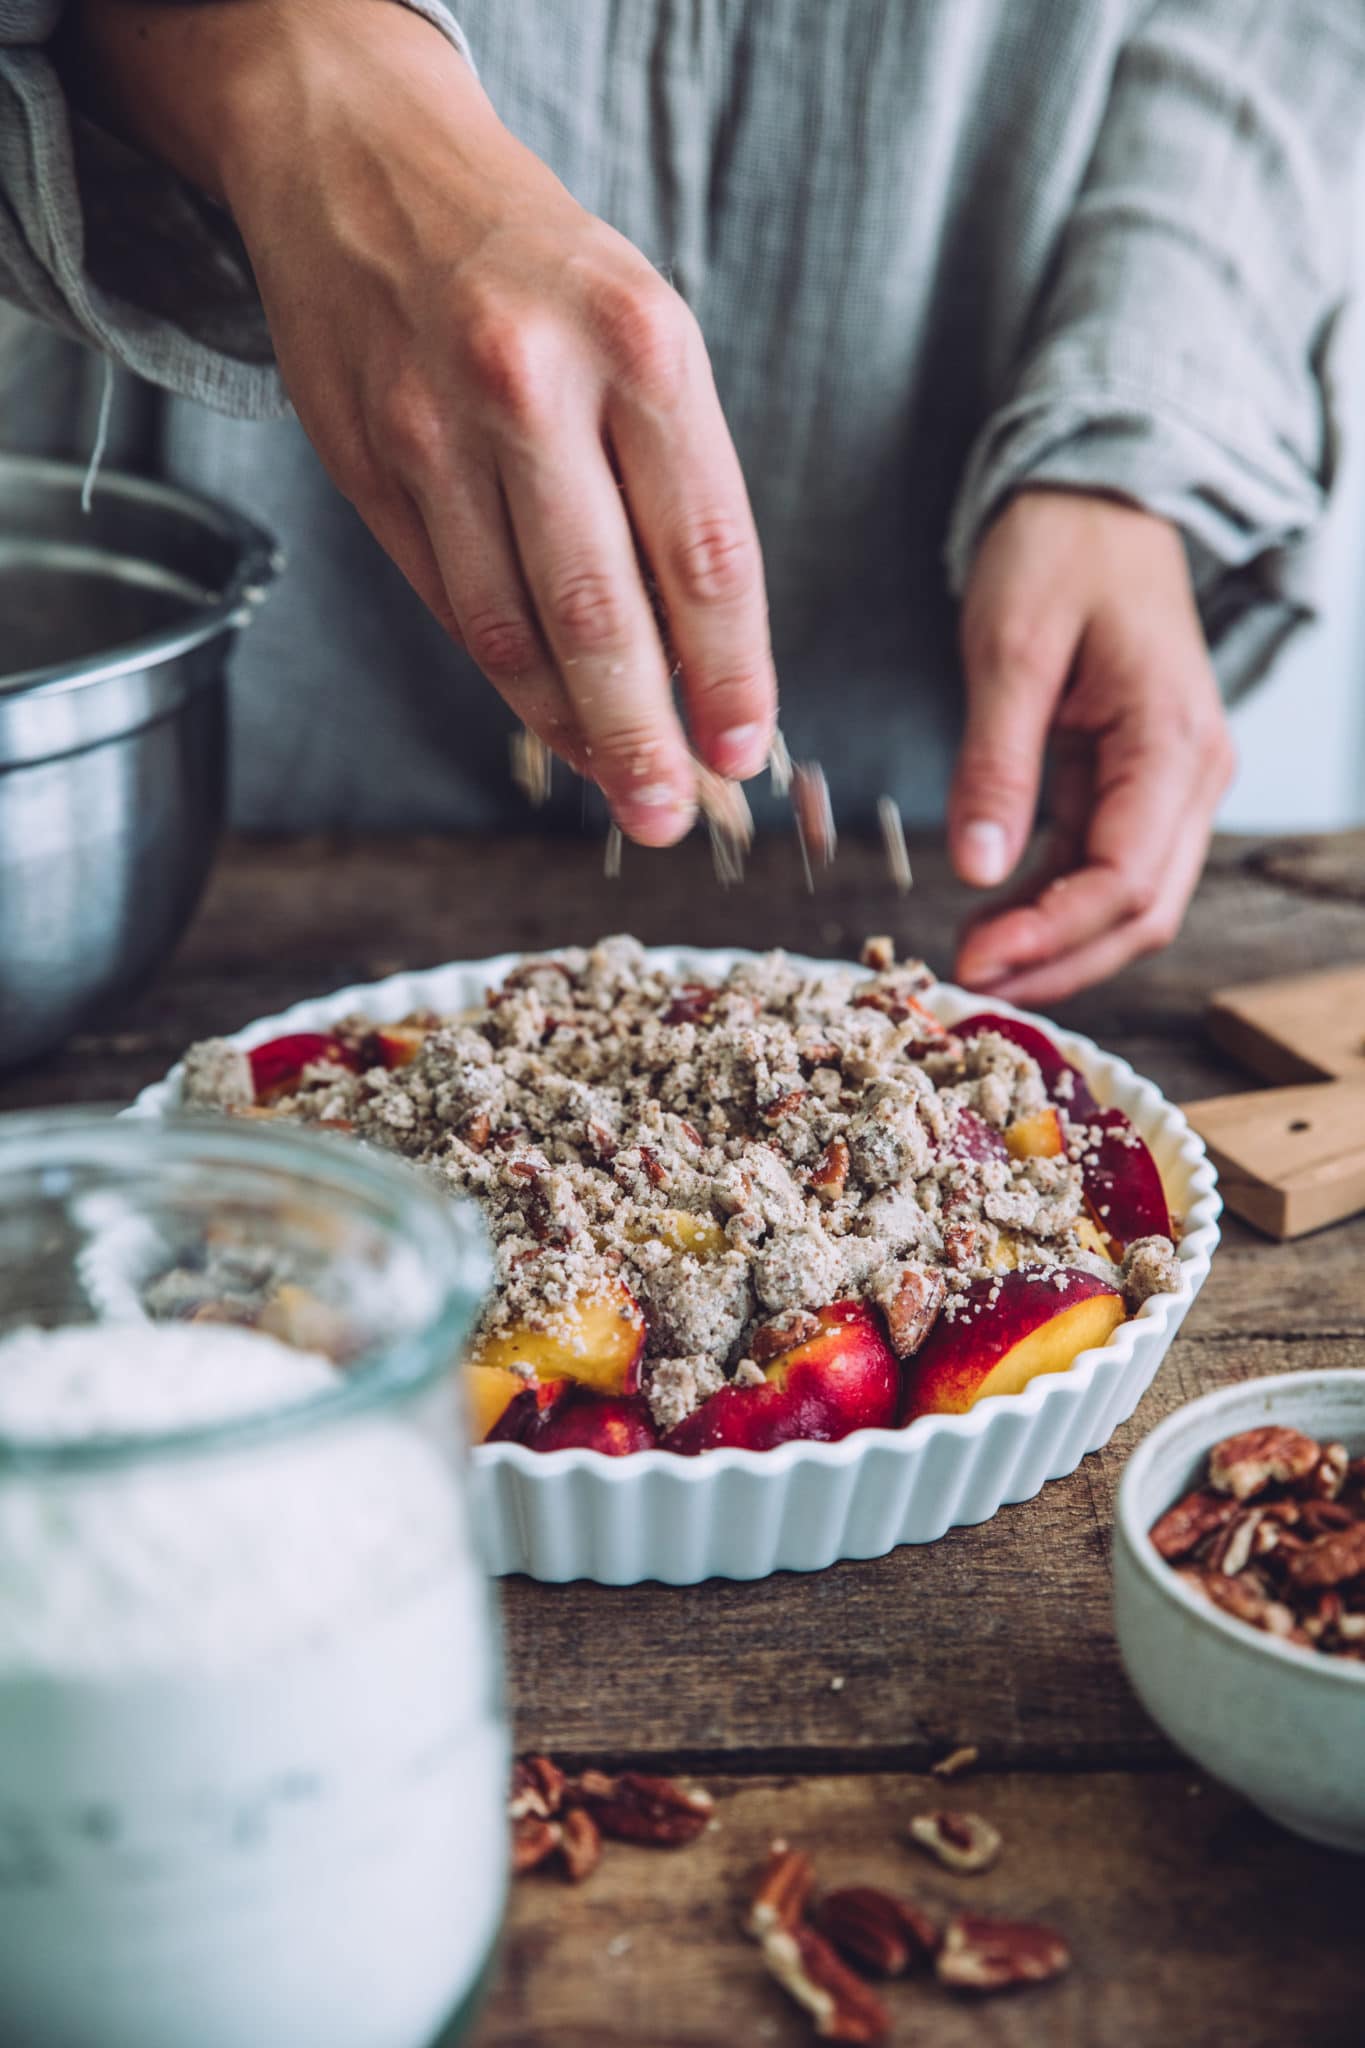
{"x": 115, "y": 627}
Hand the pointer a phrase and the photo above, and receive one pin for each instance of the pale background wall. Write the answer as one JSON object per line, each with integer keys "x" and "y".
{"x": 1302, "y": 735}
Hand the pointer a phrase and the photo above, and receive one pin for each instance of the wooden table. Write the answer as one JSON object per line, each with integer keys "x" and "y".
{"x": 812, "y": 1706}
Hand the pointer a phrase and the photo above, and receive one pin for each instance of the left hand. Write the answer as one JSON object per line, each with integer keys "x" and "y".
{"x": 1080, "y": 638}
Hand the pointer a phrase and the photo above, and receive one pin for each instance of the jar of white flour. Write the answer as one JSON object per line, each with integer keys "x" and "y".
{"x": 252, "y": 1754}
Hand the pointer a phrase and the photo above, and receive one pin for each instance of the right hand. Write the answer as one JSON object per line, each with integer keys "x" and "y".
{"x": 516, "y": 403}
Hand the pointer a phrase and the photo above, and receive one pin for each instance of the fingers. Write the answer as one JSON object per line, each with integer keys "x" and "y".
{"x": 1056, "y": 979}
{"x": 1019, "y": 638}
{"x": 691, "y": 513}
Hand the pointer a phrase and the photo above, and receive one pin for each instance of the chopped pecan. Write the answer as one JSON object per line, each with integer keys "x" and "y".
{"x": 910, "y": 1301}
{"x": 1182, "y": 1529}
{"x": 829, "y": 1175}
{"x": 1244, "y": 1465}
{"x": 879, "y": 954}
{"x": 534, "y": 1841}
{"x": 960, "y": 1841}
{"x": 881, "y": 1933}
{"x": 1320, "y": 1517}
{"x": 783, "y": 1332}
{"x": 475, "y": 1130}
{"x": 809, "y": 1971}
{"x": 783, "y": 1105}
{"x": 1332, "y": 1560}
{"x": 637, "y": 1808}
{"x": 959, "y": 1243}
{"x": 655, "y": 1170}
{"x": 580, "y": 1844}
{"x": 537, "y": 1788}
{"x": 780, "y": 1896}
{"x": 996, "y": 1955}
{"x": 1231, "y": 1548}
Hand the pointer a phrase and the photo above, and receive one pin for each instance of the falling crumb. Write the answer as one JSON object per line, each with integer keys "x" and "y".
{"x": 611, "y": 859}
{"x": 814, "y": 817}
{"x": 956, "y": 1761}
{"x": 779, "y": 764}
{"x": 728, "y": 820}
{"x": 837, "y": 1684}
{"x": 620, "y": 1945}
{"x": 531, "y": 766}
{"x": 893, "y": 839}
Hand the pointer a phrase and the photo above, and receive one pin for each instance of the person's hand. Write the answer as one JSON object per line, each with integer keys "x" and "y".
{"x": 1080, "y": 638}
{"x": 518, "y": 405}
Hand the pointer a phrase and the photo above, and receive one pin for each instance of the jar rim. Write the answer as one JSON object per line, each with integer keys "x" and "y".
{"x": 442, "y": 1228}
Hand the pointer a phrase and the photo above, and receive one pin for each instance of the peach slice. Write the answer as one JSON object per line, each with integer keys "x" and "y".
{"x": 973, "y": 1138}
{"x": 1038, "y": 1136}
{"x": 700, "y": 1235}
{"x": 397, "y": 1045}
{"x": 567, "y": 1417}
{"x": 277, "y": 1066}
{"x": 598, "y": 1341}
{"x": 1093, "y": 1239}
{"x": 843, "y": 1378}
{"x": 1122, "y": 1182}
{"x": 489, "y": 1392}
{"x": 1065, "y": 1083}
{"x": 1006, "y": 1332}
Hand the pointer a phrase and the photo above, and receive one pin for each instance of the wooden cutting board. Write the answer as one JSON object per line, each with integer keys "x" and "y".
{"x": 1291, "y": 1158}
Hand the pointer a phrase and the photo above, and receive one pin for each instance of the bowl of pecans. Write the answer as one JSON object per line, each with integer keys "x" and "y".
{"x": 1239, "y": 1593}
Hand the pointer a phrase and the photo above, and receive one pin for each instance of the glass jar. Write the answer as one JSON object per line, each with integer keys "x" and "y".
{"x": 252, "y": 1747}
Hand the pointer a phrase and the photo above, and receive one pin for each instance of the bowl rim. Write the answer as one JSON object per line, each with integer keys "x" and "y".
{"x": 1199, "y": 1237}
{"x": 1131, "y": 1525}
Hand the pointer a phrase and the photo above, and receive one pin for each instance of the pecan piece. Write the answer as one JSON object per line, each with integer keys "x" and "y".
{"x": 655, "y": 1170}
{"x": 691, "y": 1004}
{"x": 637, "y": 1808}
{"x": 537, "y": 1788}
{"x": 1328, "y": 1476}
{"x": 959, "y": 1243}
{"x": 809, "y": 1971}
{"x": 1231, "y": 1549}
{"x": 780, "y": 1897}
{"x": 1332, "y": 1560}
{"x": 783, "y": 1332}
{"x": 1245, "y": 1464}
{"x": 1183, "y": 1528}
{"x": 580, "y": 1844}
{"x": 476, "y": 1129}
{"x": 910, "y": 1299}
{"x": 957, "y": 1760}
{"x": 879, "y": 954}
{"x": 533, "y": 1841}
{"x": 1245, "y": 1601}
{"x": 996, "y": 1955}
{"x": 960, "y": 1841}
{"x": 829, "y": 1175}
{"x": 881, "y": 1933}
{"x": 783, "y": 1105}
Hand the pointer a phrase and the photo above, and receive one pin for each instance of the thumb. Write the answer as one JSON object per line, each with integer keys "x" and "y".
{"x": 1016, "y": 671}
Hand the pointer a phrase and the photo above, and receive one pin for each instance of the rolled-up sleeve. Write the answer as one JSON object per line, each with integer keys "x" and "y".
{"x": 1181, "y": 355}
{"x": 105, "y": 245}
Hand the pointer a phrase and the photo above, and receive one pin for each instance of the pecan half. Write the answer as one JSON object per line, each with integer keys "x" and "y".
{"x": 1182, "y": 1529}
{"x": 780, "y": 1896}
{"x": 637, "y": 1808}
{"x": 783, "y": 1332}
{"x": 537, "y": 1788}
{"x": 580, "y": 1844}
{"x": 1231, "y": 1549}
{"x": 1332, "y": 1560}
{"x": 533, "y": 1841}
{"x": 829, "y": 1175}
{"x": 809, "y": 1971}
{"x": 881, "y": 1933}
{"x": 911, "y": 1302}
{"x": 1245, "y": 1600}
{"x": 1245, "y": 1464}
{"x": 996, "y": 1955}
{"x": 960, "y": 1841}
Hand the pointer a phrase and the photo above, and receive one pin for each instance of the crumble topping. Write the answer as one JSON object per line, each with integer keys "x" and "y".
{"x": 734, "y": 1154}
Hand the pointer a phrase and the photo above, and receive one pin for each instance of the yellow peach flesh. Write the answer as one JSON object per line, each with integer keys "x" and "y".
{"x": 597, "y": 1342}
{"x": 1036, "y": 1137}
{"x": 700, "y": 1235}
{"x": 488, "y": 1390}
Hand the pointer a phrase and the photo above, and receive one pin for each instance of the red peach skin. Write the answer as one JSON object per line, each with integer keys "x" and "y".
{"x": 844, "y": 1378}
{"x": 1006, "y": 1332}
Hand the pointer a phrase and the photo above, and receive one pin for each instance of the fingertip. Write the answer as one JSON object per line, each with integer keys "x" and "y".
{"x": 741, "y": 751}
{"x": 655, "y": 817}
{"x": 981, "y": 852}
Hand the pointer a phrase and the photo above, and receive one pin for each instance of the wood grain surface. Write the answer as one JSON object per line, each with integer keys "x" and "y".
{"x": 1193, "y": 1921}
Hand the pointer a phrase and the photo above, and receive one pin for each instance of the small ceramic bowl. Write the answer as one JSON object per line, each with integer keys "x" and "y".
{"x": 1284, "y": 1726}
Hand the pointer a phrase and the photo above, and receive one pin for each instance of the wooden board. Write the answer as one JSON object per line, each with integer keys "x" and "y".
{"x": 1290, "y": 1160}
{"x": 1166, "y": 1888}
{"x": 1302, "y": 1027}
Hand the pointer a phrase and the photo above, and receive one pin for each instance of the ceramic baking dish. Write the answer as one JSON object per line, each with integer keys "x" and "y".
{"x": 743, "y": 1514}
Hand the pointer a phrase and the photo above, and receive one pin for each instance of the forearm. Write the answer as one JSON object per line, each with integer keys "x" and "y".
{"x": 215, "y": 87}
